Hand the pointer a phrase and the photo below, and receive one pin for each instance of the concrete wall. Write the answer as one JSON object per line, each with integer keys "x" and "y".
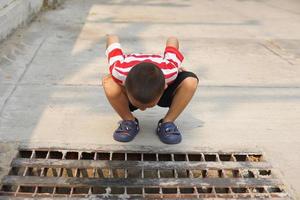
{"x": 14, "y": 13}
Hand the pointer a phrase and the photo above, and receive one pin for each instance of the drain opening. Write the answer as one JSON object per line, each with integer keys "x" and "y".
{"x": 275, "y": 190}
{"x": 225, "y": 157}
{"x": 17, "y": 171}
{"x": 207, "y": 190}
{"x": 149, "y": 157}
{"x": 69, "y": 155}
{"x": 255, "y": 157}
{"x": 98, "y": 190}
{"x": 119, "y": 173}
{"x": 80, "y": 191}
{"x": 179, "y": 157}
{"x": 183, "y": 173}
{"x": 56, "y": 155}
{"x": 195, "y": 157}
{"x": 134, "y": 173}
{"x": 45, "y": 190}
{"x": 169, "y": 190}
{"x": 150, "y": 174}
{"x": 118, "y": 156}
{"x": 222, "y": 190}
{"x": 167, "y": 173}
{"x": 41, "y": 154}
{"x": 117, "y": 190}
{"x": 187, "y": 190}
{"x": 9, "y": 188}
{"x": 134, "y": 156}
{"x": 134, "y": 190}
{"x": 164, "y": 157}
{"x": 240, "y": 157}
{"x": 63, "y": 190}
{"x": 265, "y": 172}
{"x": 25, "y": 154}
{"x": 152, "y": 190}
{"x": 87, "y": 156}
{"x": 26, "y": 189}
{"x": 210, "y": 158}
{"x": 239, "y": 190}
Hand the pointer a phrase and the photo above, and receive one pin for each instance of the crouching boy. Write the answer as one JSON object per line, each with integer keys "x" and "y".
{"x": 141, "y": 81}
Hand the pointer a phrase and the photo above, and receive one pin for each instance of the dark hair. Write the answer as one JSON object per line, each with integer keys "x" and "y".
{"x": 145, "y": 82}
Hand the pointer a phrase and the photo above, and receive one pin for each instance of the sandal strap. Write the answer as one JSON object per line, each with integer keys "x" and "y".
{"x": 169, "y": 128}
{"x": 126, "y": 126}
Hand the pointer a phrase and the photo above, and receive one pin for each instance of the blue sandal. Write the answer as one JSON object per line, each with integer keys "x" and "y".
{"x": 127, "y": 130}
{"x": 168, "y": 132}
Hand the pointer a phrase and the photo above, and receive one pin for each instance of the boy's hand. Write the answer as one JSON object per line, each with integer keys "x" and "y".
{"x": 172, "y": 42}
{"x": 110, "y": 39}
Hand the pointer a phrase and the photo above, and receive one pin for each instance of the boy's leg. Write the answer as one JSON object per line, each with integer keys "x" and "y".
{"x": 179, "y": 95}
{"x": 176, "y": 97}
{"x": 117, "y": 97}
{"x": 182, "y": 97}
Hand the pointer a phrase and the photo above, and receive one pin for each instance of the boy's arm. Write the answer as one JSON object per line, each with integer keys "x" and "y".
{"x": 114, "y": 51}
{"x": 172, "y": 42}
{"x": 115, "y": 57}
{"x": 110, "y": 39}
{"x": 172, "y": 52}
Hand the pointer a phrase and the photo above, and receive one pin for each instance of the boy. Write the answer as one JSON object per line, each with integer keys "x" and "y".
{"x": 141, "y": 81}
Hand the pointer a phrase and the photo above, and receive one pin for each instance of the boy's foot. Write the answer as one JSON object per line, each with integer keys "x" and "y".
{"x": 127, "y": 130}
{"x": 168, "y": 132}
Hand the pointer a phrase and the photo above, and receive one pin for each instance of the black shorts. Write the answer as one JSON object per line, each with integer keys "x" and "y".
{"x": 167, "y": 97}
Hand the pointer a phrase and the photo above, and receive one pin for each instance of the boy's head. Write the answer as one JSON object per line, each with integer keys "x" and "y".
{"x": 145, "y": 83}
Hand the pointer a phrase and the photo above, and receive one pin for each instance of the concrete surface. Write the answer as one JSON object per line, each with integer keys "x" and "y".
{"x": 246, "y": 54}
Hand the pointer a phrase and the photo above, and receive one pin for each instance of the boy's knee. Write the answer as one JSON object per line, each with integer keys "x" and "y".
{"x": 190, "y": 83}
{"x": 106, "y": 79}
{"x": 111, "y": 88}
{"x": 106, "y": 82}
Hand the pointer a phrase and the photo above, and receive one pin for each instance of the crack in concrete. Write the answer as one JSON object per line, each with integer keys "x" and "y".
{"x": 21, "y": 76}
{"x": 269, "y": 48}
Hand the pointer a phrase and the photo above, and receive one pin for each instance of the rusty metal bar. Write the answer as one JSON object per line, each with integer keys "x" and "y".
{"x": 163, "y": 182}
{"x": 57, "y": 163}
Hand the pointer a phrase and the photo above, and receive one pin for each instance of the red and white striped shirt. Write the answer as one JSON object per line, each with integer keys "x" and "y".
{"x": 120, "y": 64}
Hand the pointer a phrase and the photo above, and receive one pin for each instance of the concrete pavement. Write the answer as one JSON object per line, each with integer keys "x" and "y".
{"x": 246, "y": 54}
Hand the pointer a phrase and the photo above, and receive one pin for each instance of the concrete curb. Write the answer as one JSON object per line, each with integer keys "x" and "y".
{"x": 15, "y": 13}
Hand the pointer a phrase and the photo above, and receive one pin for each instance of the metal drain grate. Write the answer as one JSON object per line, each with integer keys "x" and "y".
{"x": 141, "y": 174}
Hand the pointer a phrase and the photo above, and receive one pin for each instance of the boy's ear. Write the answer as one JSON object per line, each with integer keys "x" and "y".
{"x": 166, "y": 85}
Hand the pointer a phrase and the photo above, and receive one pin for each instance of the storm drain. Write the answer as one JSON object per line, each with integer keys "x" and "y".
{"x": 141, "y": 174}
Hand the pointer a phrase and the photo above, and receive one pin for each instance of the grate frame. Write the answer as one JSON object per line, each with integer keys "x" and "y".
{"x": 135, "y": 174}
